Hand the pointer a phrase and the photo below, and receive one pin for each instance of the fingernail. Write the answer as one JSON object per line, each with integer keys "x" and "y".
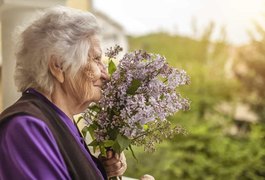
{"x": 109, "y": 154}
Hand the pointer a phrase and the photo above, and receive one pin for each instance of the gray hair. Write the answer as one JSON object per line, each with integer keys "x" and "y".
{"x": 61, "y": 32}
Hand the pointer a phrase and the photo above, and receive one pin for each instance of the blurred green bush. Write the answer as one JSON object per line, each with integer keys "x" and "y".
{"x": 210, "y": 150}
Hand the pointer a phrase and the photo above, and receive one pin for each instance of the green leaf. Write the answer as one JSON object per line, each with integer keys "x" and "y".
{"x": 79, "y": 119}
{"x": 112, "y": 67}
{"x": 145, "y": 126}
{"x": 116, "y": 147}
{"x": 103, "y": 151}
{"x": 113, "y": 133}
{"x": 123, "y": 142}
{"x": 84, "y": 131}
{"x": 108, "y": 143}
{"x": 162, "y": 96}
{"x": 94, "y": 143}
{"x": 91, "y": 129}
{"x": 95, "y": 108}
{"x": 136, "y": 83}
{"x": 130, "y": 147}
{"x": 113, "y": 111}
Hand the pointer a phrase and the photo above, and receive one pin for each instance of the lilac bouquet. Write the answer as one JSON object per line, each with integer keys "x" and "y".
{"x": 136, "y": 102}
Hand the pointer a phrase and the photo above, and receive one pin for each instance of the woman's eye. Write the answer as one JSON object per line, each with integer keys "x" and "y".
{"x": 97, "y": 60}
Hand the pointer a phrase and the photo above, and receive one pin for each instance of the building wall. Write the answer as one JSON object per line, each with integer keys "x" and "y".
{"x": 79, "y": 4}
{"x": 111, "y": 35}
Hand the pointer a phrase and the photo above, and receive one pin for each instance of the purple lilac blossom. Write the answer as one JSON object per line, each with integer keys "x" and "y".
{"x": 150, "y": 104}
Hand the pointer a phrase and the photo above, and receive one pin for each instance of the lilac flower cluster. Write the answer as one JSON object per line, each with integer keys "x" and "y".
{"x": 136, "y": 102}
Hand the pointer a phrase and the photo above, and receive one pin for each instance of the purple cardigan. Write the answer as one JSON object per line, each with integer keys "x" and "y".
{"x": 28, "y": 149}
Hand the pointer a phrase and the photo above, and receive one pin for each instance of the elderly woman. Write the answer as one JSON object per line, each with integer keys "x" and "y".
{"x": 59, "y": 72}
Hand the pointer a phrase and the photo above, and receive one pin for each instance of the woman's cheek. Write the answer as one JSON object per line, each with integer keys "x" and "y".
{"x": 80, "y": 88}
{"x": 96, "y": 71}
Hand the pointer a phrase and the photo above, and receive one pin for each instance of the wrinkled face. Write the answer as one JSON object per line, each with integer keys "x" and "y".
{"x": 86, "y": 86}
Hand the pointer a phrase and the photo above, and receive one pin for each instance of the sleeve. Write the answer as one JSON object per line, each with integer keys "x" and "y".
{"x": 28, "y": 150}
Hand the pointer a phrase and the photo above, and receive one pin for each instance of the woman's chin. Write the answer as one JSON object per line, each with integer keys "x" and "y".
{"x": 94, "y": 100}
{"x": 96, "y": 97}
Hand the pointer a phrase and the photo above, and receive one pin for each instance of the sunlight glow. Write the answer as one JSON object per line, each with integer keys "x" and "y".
{"x": 144, "y": 16}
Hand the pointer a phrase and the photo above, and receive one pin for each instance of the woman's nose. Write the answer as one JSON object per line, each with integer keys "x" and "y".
{"x": 104, "y": 74}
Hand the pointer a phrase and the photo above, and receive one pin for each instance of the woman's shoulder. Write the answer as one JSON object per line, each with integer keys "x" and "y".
{"x": 25, "y": 127}
{"x": 25, "y": 134}
{"x": 23, "y": 122}
{"x": 29, "y": 148}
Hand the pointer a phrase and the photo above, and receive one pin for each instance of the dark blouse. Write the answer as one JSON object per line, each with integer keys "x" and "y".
{"x": 43, "y": 159}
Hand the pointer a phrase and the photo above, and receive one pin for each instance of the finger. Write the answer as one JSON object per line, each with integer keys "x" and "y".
{"x": 117, "y": 156}
{"x": 122, "y": 157}
{"x": 109, "y": 154}
{"x": 114, "y": 167}
{"x": 110, "y": 162}
{"x": 118, "y": 172}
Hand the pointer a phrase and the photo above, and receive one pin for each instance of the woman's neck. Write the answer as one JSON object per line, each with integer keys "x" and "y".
{"x": 64, "y": 102}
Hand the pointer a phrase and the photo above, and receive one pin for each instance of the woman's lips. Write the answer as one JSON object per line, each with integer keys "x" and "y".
{"x": 97, "y": 85}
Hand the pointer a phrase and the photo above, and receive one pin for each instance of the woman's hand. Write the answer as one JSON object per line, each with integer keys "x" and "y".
{"x": 115, "y": 164}
{"x": 147, "y": 177}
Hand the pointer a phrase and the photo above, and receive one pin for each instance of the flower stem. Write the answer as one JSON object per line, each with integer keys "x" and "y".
{"x": 116, "y": 178}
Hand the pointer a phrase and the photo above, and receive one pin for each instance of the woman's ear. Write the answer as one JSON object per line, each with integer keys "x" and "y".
{"x": 55, "y": 67}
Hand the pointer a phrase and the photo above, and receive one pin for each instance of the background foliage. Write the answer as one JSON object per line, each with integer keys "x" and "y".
{"x": 210, "y": 150}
